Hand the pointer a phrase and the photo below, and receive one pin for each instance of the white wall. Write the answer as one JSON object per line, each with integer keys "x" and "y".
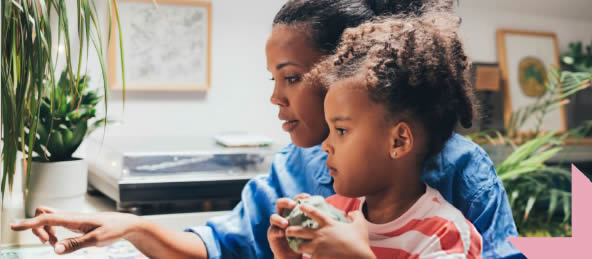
{"x": 239, "y": 96}
{"x": 479, "y": 29}
{"x": 238, "y": 99}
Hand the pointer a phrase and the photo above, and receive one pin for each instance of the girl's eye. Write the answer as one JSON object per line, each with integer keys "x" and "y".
{"x": 341, "y": 131}
{"x": 292, "y": 79}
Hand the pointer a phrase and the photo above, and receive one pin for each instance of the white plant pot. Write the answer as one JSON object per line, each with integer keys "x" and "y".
{"x": 60, "y": 185}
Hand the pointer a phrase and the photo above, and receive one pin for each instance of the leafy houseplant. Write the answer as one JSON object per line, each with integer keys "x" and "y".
{"x": 32, "y": 33}
{"x": 61, "y": 131}
{"x": 537, "y": 191}
{"x": 578, "y": 58}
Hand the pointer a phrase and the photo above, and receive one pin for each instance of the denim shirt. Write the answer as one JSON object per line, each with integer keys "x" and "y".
{"x": 462, "y": 172}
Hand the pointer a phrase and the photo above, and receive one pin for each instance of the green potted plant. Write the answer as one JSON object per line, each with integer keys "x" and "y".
{"x": 578, "y": 58}
{"x": 58, "y": 135}
{"x": 35, "y": 35}
{"x": 537, "y": 191}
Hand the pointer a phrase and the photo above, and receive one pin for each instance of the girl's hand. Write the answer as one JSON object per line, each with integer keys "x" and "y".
{"x": 97, "y": 229}
{"x": 333, "y": 239}
{"x": 276, "y": 234}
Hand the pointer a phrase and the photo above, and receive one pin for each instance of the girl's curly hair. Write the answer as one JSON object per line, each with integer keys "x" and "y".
{"x": 414, "y": 65}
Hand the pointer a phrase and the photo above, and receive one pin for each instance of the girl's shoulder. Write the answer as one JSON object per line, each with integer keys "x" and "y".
{"x": 344, "y": 204}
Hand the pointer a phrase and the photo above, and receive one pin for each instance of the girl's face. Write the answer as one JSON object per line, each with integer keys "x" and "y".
{"x": 358, "y": 145}
{"x": 290, "y": 55}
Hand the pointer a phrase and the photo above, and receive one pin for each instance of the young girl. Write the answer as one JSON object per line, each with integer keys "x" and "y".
{"x": 397, "y": 90}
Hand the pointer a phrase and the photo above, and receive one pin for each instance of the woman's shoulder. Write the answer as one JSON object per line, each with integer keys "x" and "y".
{"x": 293, "y": 150}
{"x": 303, "y": 162}
{"x": 295, "y": 156}
{"x": 460, "y": 150}
{"x": 462, "y": 158}
{"x": 461, "y": 171}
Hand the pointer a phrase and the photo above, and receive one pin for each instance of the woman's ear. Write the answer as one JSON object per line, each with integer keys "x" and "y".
{"x": 401, "y": 140}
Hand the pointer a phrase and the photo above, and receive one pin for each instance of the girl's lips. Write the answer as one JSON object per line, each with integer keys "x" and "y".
{"x": 289, "y": 125}
{"x": 332, "y": 171}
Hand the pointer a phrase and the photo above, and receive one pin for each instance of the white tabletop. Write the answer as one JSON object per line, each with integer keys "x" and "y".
{"x": 13, "y": 211}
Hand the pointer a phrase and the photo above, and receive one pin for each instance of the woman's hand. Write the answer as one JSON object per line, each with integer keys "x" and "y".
{"x": 276, "y": 234}
{"x": 333, "y": 239}
{"x": 97, "y": 229}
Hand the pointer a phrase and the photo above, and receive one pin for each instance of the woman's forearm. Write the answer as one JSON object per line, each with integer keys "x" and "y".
{"x": 156, "y": 241}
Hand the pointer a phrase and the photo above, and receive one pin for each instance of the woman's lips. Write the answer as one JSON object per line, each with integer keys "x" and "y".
{"x": 289, "y": 126}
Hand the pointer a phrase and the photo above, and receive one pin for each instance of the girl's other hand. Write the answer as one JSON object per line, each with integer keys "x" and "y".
{"x": 333, "y": 239}
{"x": 276, "y": 234}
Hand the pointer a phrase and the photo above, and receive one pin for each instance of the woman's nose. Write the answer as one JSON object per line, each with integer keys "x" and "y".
{"x": 278, "y": 98}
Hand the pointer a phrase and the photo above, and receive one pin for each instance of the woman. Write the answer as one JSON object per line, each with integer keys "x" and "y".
{"x": 304, "y": 31}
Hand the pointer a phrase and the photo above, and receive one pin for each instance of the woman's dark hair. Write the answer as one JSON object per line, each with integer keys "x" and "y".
{"x": 327, "y": 19}
{"x": 414, "y": 65}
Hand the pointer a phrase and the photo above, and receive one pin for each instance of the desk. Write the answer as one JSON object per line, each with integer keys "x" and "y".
{"x": 13, "y": 211}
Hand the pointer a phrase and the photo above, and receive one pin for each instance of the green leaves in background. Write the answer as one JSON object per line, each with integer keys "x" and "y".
{"x": 539, "y": 194}
{"x": 60, "y": 132}
{"x": 578, "y": 58}
{"x": 560, "y": 86}
{"x": 29, "y": 87}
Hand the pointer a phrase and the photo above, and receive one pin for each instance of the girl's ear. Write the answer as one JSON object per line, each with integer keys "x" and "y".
{"x": 401, "y": 140}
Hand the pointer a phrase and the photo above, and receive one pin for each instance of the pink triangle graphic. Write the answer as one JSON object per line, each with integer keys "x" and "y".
{"x": 565, "y": 247}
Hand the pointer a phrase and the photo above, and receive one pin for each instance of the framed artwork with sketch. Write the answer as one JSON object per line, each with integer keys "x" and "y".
{"x": 525, "y": 58}
{"x": 166, "y": 45}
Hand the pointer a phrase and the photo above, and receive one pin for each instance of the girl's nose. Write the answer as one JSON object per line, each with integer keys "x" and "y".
{"x": 327, "y": 147}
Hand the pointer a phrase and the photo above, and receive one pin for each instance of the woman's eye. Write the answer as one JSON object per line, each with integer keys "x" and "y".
{"x": 272, "y": 78}
{"x": 341, "y": 131}
{"x": 292, "y": 79}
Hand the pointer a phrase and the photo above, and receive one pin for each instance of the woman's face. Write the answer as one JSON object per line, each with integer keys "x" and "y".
{"x": 290, "y": 55}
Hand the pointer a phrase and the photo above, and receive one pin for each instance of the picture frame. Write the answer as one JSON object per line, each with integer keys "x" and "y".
{"x": 486, "y": 80}
{"x": 524, "y": 58}
{"x": 166, "y": 45}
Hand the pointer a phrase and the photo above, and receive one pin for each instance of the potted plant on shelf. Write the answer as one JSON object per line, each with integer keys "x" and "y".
{"x": 578, "y": 58}
{"x": 35, "y": 35}
{"x": 56, "y": 178}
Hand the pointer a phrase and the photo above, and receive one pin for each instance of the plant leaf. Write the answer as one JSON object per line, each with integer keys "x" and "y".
{"x": 529, "y": 206}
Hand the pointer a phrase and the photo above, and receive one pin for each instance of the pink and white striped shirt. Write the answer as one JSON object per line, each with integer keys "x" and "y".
{"x": 431, "y": 228}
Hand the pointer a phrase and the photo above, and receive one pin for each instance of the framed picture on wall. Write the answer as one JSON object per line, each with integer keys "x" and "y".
{"x": 166, "y": 45}
{"x": 486, "y": 78}
{"x": 525, "y": 57}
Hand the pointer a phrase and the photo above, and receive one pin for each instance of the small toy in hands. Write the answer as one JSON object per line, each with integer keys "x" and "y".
{"x": 296, "y": 217}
